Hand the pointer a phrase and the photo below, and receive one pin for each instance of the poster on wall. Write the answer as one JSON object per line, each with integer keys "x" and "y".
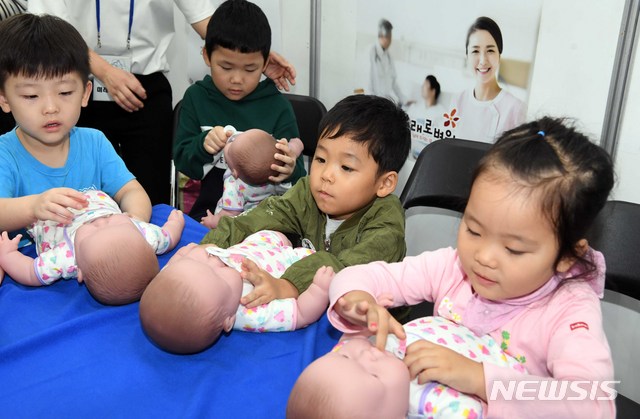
{"x": 459, "y": 69}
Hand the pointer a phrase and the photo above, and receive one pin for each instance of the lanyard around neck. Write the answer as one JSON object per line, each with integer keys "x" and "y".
{"x": 131, "y": 4}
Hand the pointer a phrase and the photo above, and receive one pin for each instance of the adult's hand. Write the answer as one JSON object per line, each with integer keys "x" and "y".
{"x": 280, "y": 71}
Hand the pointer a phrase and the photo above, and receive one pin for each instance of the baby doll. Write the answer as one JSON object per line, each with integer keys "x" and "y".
{"x": 112, "y": 253}
{"x": 357, "y": 377}
{"x": 249, "y": 156}
{"x": 197, "y": 294}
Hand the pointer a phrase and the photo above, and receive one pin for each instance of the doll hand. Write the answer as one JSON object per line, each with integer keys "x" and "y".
{"x": 360, "y": 308}
{"x": 323, "y": 277}
{"x": 280, "y": 71}
{"x": 53, "y": 204}
{"x": 432, "y": 362}
{"x": 216, "y": 139}
{"x": 8, "y": 245}
{"x": 288, "y": 159}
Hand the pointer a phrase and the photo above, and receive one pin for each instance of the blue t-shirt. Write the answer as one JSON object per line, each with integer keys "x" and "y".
{"x": 92, "y": 162}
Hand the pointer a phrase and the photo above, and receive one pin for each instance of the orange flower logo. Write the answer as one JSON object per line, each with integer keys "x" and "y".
{"x": 451, "y": 118}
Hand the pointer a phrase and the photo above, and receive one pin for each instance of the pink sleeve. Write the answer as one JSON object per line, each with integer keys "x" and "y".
{"x": 577, "y": 353}
{"x": 414, "y": 280}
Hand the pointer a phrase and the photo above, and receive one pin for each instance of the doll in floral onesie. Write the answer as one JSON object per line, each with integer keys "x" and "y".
{"x": 357, "y": 377}
{"x": 196, "y": 296}
{"x": 112, "y": 253}
{"x": 249, "y": 156}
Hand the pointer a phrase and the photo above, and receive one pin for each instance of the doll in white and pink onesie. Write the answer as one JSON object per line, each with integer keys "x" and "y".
{"x": 357, "y": 377}
{"x": 249, "y": 156}
{"x": 196, "y": 296}
{"x": 111, "y": 252}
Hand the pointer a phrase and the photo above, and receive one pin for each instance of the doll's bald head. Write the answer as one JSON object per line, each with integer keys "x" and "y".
{"x": 250, "y": 155}
{"x": 189, "y": 304}
{"x": 116, "y": 264}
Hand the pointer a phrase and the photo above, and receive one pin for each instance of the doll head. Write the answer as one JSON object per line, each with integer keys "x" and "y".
{"x": 191, "y": 301}
{"x": 355, "y": 380}
{"x": 249, "y": 155}
{"x": 114, "y": 260}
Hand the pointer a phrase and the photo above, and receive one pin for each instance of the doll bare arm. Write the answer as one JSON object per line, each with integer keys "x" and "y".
{"x": 315, "y": 299}
{"x": 174, "y": 226}
{"x": 15, "y": 264}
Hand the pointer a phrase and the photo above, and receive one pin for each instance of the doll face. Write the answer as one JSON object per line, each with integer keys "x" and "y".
{"x": 90, "y": 235}
{"x": 199, "y": 260}
{"x": 382, "y": 379}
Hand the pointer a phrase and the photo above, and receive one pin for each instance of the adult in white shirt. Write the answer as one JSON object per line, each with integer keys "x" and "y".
{"x": 487, "y": 110}
{"x": 383, "y": 77}
{"x": 132, "y": 100}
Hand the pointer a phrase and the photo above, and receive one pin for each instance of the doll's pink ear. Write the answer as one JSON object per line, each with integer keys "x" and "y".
{"x": 228, "y": 323}
{"x": 80, "y": 276}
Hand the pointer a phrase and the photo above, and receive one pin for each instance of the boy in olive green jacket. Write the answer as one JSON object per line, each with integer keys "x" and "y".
{"x": 344, "y": 209}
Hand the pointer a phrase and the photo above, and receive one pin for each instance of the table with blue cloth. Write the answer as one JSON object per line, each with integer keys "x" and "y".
{"x": 64, "y": 355}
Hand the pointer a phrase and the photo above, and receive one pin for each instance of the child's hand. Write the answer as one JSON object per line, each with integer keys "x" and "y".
{"x": 432, "y": 362}
{"x": 216, "y": 139}
{"x": 360, "y": 308}
{"x": 288, "y": 159}
{"x": 210, "y": 220}
{"x": 53, "y": 204}
{"x": 267, "y": 288}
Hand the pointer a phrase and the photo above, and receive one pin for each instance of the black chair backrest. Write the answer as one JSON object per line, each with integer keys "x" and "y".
{"x": 616, "y": 233}
{"x": 309, "y": 111}
{"x": 441, "y": 177}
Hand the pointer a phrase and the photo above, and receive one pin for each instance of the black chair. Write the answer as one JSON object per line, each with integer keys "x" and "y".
{"x": 435, "y": 196}
{"x": 441, "y": 177}
{"x": 616, "y": 233}
{"x": 7, "y": 123}
{"x": 309, "y": 111}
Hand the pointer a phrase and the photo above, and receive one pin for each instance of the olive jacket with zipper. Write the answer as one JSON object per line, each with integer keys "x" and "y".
{"x": 375, "y": 232}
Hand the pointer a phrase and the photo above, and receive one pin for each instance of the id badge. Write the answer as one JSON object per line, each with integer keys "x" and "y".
{"x": 100, "y": 92}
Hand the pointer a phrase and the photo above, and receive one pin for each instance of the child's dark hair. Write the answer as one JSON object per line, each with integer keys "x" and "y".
{"x": 433, "y": 82}
{"x": 375, "y": 121}
{"x": 41, "y": 46}
{"x": 484, "y": 23}
{"x": 384, "y": 28}
{"x": 241, "y": 26}
{"x": 573, "y": 175}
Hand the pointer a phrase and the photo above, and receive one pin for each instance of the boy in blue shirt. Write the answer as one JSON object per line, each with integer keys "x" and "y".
{"x": 236, "y": 49}
{"x": 46, "y": 160}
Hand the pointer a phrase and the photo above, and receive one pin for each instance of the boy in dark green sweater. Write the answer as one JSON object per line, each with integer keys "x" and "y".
{"x": 344, "y": 209}
{"x": 236, "y": 49}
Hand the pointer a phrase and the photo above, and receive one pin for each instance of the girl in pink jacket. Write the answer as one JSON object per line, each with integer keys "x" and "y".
{"x": 522, "y": 273}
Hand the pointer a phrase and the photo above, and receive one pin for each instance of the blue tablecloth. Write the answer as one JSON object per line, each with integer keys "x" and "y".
{"x": 64, "y": 355}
